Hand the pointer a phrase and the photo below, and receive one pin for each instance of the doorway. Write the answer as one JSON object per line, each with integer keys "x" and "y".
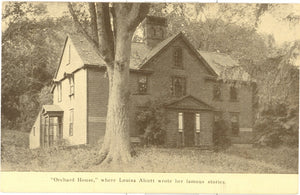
{"x": 189, "y": 128}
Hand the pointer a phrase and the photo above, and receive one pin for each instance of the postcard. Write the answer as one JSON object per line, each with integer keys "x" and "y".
{"x": 150, "y": 97}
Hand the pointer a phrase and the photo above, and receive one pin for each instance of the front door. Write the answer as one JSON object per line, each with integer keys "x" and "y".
{"x": 189, "y": 126}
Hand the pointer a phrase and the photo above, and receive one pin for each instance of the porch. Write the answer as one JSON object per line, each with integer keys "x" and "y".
{"x": 51, "y": 126}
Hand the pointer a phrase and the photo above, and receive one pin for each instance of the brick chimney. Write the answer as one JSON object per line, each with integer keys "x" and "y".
{"x": 155, "y": 30}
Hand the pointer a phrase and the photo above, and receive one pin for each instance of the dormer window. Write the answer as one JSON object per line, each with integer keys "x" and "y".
{"x": 178, "y": 57}
{"x": 142, "y": 84}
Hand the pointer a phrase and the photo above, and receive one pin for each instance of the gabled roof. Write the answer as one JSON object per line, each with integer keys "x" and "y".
{"x": 225, "y": 66}
{"x": 189, "y": 102}
{"x": 85, "y": 50}
{"x": 140, "y": 53}
{"x": 219, "y": 65}
{"x": 164, "y": 44}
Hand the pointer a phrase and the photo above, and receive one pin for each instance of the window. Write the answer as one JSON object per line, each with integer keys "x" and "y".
{"x": 153, "y": 32}
{"x": 71, "y": 121}
{"x": 217, "y": 92}
{"x": 233, "y": 93}
{"x": 71, "y": 81}
{"x": 142, "y": 84}
{"x": 198, "y": 123}
{"x": 178, "y": 57}
{"x": 59, "y": 91}
{"x": 235, "y": 124}
{"x": 178, "y": 86}
{"x": 180, "y": 121}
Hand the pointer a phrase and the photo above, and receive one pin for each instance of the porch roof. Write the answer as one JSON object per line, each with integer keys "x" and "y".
{"x": 189, "y": 102}
{"x": 51, "y": 109}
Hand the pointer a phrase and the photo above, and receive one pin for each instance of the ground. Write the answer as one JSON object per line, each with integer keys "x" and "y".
{"x": 16, "y": 156}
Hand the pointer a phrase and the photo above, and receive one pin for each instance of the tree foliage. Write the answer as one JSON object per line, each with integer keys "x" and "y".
{"x": 30, "y": 56}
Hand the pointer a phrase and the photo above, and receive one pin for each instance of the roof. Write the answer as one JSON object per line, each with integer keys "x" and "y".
{"x": 90, "y": 56}
{"x": 189, "y": 102}
{"x": 221, "y": 65}
{"x": 85, "y": 50}
{"x": 51, "y": 108}
{"x": 140, "y": 53}
{"x": 225, "y": 66}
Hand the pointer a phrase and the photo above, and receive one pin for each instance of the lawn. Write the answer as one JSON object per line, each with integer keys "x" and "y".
{"x": 15, "y": 156}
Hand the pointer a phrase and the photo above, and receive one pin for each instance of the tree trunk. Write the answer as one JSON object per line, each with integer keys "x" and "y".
{"x": 116, "y": 145}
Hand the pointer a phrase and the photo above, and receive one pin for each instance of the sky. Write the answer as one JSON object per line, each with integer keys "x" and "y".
{"x": 282, "y": 31}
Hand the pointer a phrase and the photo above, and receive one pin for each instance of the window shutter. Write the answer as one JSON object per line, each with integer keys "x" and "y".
{"x": 198, "y": 122}
{"x": 180, "y": 122}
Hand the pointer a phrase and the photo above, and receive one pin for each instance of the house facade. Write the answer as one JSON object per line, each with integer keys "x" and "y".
{"x": 201, "y": 86}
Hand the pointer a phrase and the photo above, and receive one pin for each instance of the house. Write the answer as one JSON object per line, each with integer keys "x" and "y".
{"x": 202, "y": 86}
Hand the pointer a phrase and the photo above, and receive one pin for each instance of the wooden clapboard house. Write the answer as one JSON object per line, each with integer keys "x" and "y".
{"x": 159, "y": 66}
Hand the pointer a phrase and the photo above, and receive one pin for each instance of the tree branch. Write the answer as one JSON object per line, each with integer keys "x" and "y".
{"x": 137, "y": 13}
{"x": 92, "y": 10}
{"x": 105, "y": 33}
{"x": 83, "y": 31}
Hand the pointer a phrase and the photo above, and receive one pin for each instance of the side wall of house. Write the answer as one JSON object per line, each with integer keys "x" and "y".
{"x": 97, "y": 99}
{"x": 35, "y": 133}
{"x": 242, "y": 107}
{"x": 77, "y": 103}
{"x": 160, "y": 83}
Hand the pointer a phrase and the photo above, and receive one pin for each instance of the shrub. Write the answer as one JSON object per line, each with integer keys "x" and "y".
{"x": 151, "y": 121}
{"x": 277, "y": 125}
{"x": 220, "y": 138}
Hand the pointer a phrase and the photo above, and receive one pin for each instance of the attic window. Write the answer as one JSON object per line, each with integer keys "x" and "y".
{"x": 178, "y": 57}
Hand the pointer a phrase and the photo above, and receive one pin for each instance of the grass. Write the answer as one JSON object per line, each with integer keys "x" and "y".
{"x": 16, "y": 156}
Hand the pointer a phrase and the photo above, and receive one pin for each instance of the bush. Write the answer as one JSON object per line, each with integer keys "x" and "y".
{"x": 151, "y": 121}
{"x": 277, "y": 125}
{"x": 220, "y": 138}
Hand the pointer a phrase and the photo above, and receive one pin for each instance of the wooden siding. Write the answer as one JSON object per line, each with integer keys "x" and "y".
{"x": 97, "y": 104}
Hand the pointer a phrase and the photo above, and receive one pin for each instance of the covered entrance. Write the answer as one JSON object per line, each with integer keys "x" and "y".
{"x": 51, "y": 126}
{"x": 191, "y": 122}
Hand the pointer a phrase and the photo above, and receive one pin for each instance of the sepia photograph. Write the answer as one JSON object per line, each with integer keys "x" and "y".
{"x": 150, "y": 88}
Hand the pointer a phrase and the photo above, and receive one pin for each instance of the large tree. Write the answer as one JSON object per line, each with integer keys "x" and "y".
{"x": 111, "y": 29}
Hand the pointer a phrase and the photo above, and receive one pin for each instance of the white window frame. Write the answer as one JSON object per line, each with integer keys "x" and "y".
{"x": 72, "y": 86}
{"x": 180, "y": 122}
{"x": 198, "y": 122}
{"x": 59, "y": 91}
